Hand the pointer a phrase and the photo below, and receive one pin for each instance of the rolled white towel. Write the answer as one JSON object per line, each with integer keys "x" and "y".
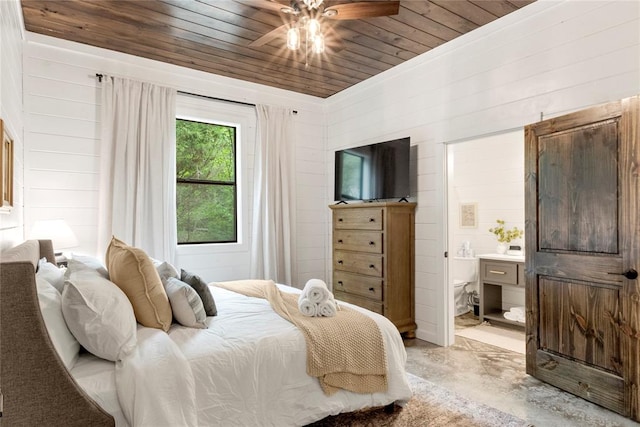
{"x": 514, "y": 316}
{"x": 307, "y": 307}
{"x": 519, "y": 311}
{"x": 510, "y": 316}
{"x": 327, "y": 308}
{"x": 316, "y": 291}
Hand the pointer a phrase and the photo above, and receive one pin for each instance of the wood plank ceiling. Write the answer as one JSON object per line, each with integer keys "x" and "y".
{"x": 214, "y": 36}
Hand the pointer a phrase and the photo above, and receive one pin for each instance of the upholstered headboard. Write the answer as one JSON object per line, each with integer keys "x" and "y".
{"x": 36, "y": 387}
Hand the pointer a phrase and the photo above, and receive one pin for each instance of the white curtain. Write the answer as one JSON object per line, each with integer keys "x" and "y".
{"x": 137, "y": 167}
{"x": 273, "y": 246}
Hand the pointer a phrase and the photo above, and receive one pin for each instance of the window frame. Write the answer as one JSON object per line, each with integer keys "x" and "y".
{"x": 233, "y": 184}
{"x": 244, "y": 118}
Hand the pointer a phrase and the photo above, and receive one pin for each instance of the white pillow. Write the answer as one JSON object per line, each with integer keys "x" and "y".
{"x": 99, "y": 315}
{"x": 51, "y": 306}
{"x": 185, "y": 303}
{"x": 84, "y": 262}
{"x": 51, "y": 273}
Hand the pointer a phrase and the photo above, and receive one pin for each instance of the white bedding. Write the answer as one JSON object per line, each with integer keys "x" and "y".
{"x": 249, "y": 369}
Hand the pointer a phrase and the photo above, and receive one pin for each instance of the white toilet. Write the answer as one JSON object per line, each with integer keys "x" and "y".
{"x": 464, "y": 271}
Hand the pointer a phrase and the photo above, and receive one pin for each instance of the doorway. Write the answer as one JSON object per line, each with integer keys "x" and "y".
{"x": 485, "y": 182}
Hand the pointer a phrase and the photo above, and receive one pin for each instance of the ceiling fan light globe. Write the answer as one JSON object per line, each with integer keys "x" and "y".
{"x": 318, "y": 44}
{"x": 313, "y": 28}
{"x": 293, "y": 38}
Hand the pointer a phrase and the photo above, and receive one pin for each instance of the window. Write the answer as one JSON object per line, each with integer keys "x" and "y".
{"x": 352, "y": 180}
{"x": 206, "y": 188}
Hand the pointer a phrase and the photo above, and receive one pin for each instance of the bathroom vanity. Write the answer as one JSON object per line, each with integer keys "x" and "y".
{"x": 499, "y": 273}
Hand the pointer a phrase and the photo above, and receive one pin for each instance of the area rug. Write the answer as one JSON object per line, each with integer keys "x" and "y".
{"x": 432, "y": 406}
{"x": 508, "y": 339}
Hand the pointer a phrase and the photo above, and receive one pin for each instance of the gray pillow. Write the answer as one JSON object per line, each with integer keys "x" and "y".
{"x": 185, "y": 304}
{"x": 166, "y": 270}
{"x": 202, "y": 289}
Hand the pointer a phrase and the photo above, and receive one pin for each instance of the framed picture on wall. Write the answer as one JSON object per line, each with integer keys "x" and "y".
{"x": 6, "y": 169}
{"x": 468, "y": 215}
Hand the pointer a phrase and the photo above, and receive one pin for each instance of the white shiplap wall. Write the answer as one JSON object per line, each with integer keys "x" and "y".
{"x": 62, "y": 111}
{"x": 547, "y": 58}
{"x": 11, "y": 37}
{"x": 488, "y": 171}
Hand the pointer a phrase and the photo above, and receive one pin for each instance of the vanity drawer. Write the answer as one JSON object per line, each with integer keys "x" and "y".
{"x": 353, "y": 262}
{"x": 374, "y": 306}
{"x": 500, "y": 272}
{"x": 361, "y": 241}
{"x": 369, "y": 287}
{"x": 358, "y": 219}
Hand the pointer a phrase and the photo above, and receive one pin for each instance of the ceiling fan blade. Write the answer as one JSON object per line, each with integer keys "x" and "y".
{"x": 267, "y": 4}
{"x": 364, "y": 9}
{"x": 271, "y": 35}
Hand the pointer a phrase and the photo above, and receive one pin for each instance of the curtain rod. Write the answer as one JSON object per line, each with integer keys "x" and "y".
{"x": 213, "y": 98}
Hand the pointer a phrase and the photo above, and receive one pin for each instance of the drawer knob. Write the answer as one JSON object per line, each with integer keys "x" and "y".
{"x": 371, "y": 290}
{"x": 372, "y": 220}
{"x": 340, "y": 241}
{"x": 340, "y": 283}
{"x": 339, "y": 219}
{"x": 339, "y": 261}
{"x": 497, "y": 272}
{"x": 372, "y": 266}
{"x": 372, "y": 243}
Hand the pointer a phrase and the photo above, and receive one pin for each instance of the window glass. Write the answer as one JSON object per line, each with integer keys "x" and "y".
{"x": 352, "y": 180}
{"x": 206, "y": 190}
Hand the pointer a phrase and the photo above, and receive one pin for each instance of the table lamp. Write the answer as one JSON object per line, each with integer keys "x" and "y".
{"x": 60, "y": 234}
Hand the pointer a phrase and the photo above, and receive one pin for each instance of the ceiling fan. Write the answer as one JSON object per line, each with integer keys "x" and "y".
{"x": 306, "y": 11}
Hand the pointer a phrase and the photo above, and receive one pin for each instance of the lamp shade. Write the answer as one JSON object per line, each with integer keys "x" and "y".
{"x": 56, "y": 230}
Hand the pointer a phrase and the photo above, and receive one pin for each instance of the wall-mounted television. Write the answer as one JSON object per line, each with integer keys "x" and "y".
{"x": 373, "y": 172}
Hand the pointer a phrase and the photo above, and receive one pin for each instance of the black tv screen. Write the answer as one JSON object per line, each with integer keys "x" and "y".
{"x": 375, "y": 171}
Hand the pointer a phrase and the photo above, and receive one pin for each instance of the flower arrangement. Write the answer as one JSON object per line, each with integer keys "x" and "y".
{"x": 506, "y": 236}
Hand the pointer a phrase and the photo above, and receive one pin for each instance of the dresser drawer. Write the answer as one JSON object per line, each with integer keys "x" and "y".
{"x": 358, "y": 219}
{"x": 361, "y": 241}
{"x": 500, "y": 272}
{"x": 359, "y": 301}
{"x": 369, "y": 287}
{"x": 353, "y": 262}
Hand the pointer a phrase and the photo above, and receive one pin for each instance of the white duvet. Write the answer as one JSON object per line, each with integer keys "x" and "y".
{"x": 247, "y": 369}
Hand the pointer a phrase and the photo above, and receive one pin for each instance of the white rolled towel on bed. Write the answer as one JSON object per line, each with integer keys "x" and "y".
{"x": 316, "y": 291}
{"x": 307, "y": 307}
{"x": 327, "y": 308}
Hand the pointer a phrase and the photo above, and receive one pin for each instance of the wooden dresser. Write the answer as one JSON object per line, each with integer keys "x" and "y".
{"x": 373, "y": 259}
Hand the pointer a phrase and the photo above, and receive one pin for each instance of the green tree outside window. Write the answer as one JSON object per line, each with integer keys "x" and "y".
{"x": 206, "y": 193}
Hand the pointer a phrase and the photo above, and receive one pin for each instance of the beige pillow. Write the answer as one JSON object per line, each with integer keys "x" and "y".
{"x": 133, "y": 271}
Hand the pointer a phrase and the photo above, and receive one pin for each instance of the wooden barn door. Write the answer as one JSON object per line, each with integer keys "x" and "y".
{"x": 583, "y": 252}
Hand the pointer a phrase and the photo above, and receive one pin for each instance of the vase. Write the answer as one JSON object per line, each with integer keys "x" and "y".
{"x": 502, "y": 248}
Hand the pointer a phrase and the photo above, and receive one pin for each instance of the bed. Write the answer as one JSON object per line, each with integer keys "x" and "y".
{"x": 246, "y": 368}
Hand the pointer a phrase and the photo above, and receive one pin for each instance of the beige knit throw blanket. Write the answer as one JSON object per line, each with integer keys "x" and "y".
{"x": 343, "y": 352}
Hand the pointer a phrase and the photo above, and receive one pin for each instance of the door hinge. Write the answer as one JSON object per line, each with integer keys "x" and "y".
{"x": 446, "y": 254}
